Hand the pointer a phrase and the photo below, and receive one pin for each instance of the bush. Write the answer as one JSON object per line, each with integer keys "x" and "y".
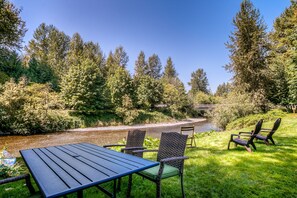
{"x": 29, "y": 109}
{"x": 230, "y": 108}
{"x": 252, "y": 119}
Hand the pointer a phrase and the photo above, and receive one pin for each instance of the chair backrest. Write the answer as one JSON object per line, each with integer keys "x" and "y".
{"x": 275, "y": 127}
{"x": 189, "y": 130}
{"x": 256, "y": 130}
{"x": 172, "y": 144}
{"x": 135, "y": 138}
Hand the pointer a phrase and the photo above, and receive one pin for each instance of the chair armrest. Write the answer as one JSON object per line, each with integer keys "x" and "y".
{"x": 163, "y": 161}
{"x": 173, "y": 159}
{"x": 244, "y": 133}
{"x": 143, "y": 151}
{"x": 132, "y": 148}
{"x": 113, "y": 145}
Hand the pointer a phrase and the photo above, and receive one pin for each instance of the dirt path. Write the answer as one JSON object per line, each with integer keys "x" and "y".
{"x": 98, "y": 135}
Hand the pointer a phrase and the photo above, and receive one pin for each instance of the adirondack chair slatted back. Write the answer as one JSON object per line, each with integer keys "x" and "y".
{"x": 256, "y": 131}
{"x": 275, "y": 127}
{"x": 172, "y": 144}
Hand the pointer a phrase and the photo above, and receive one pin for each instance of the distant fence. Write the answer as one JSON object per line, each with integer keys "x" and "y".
{"x": 205, "y": 106}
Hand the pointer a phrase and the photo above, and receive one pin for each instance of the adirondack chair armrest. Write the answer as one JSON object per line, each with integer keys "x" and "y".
{"x": 245, "y": 133}
{"x": 132, "y": 148}
{"x": 113, "y": 145}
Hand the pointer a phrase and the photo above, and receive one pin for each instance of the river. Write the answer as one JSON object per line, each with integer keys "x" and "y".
{"x": 16, "y": 143}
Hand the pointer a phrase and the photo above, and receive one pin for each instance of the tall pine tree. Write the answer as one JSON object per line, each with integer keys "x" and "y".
{"x": 248, "y": 49}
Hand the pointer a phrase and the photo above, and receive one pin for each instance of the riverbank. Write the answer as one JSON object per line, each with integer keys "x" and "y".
{"x": 97, "y": 135}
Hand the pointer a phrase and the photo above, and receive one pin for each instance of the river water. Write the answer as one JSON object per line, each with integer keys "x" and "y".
{"x": 16, "y": 143}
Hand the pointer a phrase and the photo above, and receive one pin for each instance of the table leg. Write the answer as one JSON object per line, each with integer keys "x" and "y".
{"x": 129, "y": 186}
{"x": 80, "y": 194}
{"x": 114, "y": 188}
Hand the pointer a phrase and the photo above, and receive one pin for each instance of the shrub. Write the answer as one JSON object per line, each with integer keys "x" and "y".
{"x": 252, "y": 119}
{"x": 29, "y": 109}
{"x": 230, "y": 108}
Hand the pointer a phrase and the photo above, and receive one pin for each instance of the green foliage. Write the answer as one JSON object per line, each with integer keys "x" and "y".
{"x": 119, "y": 85}
{"x": 175, "y": 98}
{"x": 82, "y": 87}
{"x": 12, "y": 26}
{"x": 38, "y": 72}
{"x": 251, "y": 120}
{"x": 149, "y": 117}
{"x": 199, "y": 82}
{"x": 10, "y": 171}
{"x": 169, "y": 70}
{"x": 154, "y": 67}
{"x": 223, "y": 90}
{"x": 49, "y": 47}
{"x": 115, "y": 60}
{"x": 151, "y": 143}
{"x": 203, "y": 98}
{"x": 3, "y": 77}
{"x": 248, "y": 50}
{"x": 140, "y": 66}
{"x": 283, "y": 57}
{"x": 126, "y": 111}
{"x": 232, "y": 107}
{"x": 148, "y": 92}
{"x": 10, "y": 64}
{"x": 28, "y": 109}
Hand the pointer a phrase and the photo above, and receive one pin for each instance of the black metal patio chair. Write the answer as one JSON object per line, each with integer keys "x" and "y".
{"x": 190, "y": 131}
{"x": 171, "y": 157}
{"x": 135, "y": 141}
{"x": 250, "y": 135}
{"x": 269, "y": 132}
{"x": 25, "y": 177}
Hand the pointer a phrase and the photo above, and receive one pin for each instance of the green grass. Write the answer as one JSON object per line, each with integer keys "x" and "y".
{"x": 213, "y": 171}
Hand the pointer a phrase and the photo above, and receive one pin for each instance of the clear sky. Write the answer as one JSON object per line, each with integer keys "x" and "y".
{"x": 192, "y": 32}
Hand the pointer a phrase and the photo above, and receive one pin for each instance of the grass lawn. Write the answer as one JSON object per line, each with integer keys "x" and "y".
{"x": 213, "y": 171}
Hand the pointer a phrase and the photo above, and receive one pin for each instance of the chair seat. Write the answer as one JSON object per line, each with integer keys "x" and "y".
{"x": 240, "y": 141}
{"x": 261, "y": 137}
{"x": 168, "y": 171}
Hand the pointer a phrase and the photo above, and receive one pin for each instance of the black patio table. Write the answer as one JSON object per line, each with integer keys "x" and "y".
{"x": 64, "y": 169}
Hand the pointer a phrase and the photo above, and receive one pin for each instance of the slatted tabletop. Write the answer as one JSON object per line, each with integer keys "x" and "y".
{"x": 60, "y": 170}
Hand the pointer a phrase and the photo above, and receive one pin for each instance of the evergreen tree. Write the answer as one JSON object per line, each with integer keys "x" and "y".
{"x": 149, "y": 92}
{"x": 49, "y": 46}
{"x": 83, "y": 87}
{"x": 10, "y": 64}
{"x": 117, "y": 59}
{"x": 223, "y": 89}
{"x": 283, "y": 57}
{"x": 248, "y": 49}
{"x": 169, "y": 70}
{"x": 12, "y": 27}
{"x": 76, "y": 49}
{"x": 40, "y": 73}
{"x": 199, "y": 82}
{"x": 140, "y": 65}
{"x": 120, "y": 85}
{"x": 154, "y": 67}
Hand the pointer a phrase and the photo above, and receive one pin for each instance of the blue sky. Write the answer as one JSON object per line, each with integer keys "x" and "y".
{"x": 192, "y": 32}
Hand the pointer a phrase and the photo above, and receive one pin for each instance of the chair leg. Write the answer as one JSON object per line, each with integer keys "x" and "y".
{"x": 272, "y": 141}
{"x": 182, "y": 185}
{"x": 229, "y": 144}
{"x": 158, "y": 189}
{"x": 29, "y": 184}
{"x": 253, "y": 145}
